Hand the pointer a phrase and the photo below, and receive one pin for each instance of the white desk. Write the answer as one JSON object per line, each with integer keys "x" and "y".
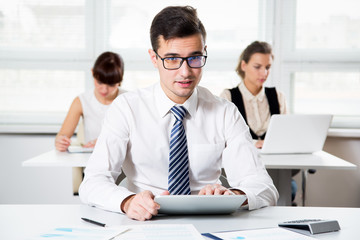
{"x": 279, "y": 166}
{"x": 25, "y": 221}
{"x": 317, "y": 160}
{"x": 55, "y": 158}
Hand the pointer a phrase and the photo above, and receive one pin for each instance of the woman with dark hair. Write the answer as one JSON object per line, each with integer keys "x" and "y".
{"x": 91, "y": 105}
{"x": 255, "y": 102}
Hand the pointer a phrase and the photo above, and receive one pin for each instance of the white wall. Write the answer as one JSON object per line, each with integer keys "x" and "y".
{"x": 35, "y": 185}
{"x": 31, "y": 185}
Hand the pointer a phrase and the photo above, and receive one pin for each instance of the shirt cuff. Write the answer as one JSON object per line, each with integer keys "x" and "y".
{"x": 250, "y": 198}
{"x": 117, "y": 198}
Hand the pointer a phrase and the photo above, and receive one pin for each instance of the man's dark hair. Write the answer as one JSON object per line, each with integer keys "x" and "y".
{"x": 175, "y": 22}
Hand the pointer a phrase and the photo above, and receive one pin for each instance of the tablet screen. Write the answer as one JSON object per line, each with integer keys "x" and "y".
{"x": 199, "y": 204}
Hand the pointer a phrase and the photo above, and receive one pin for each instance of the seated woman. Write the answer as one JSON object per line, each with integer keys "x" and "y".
{"x": 255, "y": 102}
{"x": 108, "y": 74}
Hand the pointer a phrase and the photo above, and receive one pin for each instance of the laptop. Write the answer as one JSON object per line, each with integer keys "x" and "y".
{"x": 199, "y": 204}
{"x": 296, "y": 133}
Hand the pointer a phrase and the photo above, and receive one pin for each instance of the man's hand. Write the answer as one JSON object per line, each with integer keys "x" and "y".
{"x": 140, "y": 206}
{"x": 215, "y": 189}
{"x": 239, "y": 192}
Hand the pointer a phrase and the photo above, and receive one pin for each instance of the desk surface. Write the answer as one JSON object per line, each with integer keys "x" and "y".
{"x": 318, "y": 160}
{"x": 55, "y": 158}
{"x": 24, "y": 221}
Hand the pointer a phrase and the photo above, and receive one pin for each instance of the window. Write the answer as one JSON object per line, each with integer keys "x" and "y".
{"x": 317, "y": 89}
{"x": 42, "y": 24}
{"x": 47, "y": 49}
{"x": 229, "y": 29}
{"x": 320, "y": 58}
{"x": 43, "y": 45}
{"x": 334, "y": 27}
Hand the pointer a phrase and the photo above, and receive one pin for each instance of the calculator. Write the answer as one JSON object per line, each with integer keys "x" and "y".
{"x": 313, "y": 225}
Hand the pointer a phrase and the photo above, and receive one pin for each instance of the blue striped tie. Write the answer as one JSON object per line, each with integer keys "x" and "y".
{"x": 178, "y": 180}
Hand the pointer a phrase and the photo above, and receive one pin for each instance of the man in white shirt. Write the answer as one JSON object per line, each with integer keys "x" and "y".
{"x": 136, "y": 131}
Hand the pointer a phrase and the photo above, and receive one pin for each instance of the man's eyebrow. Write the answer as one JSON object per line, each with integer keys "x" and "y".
{"x": 172, "y": 55}
{"x": 178, "y": 55}
{"x": 196, "y": 53}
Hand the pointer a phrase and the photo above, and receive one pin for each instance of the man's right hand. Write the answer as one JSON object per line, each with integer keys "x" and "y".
{"x": 140, "y": 206}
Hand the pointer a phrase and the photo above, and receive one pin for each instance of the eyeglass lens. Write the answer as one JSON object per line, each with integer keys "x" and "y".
{"x": 175, "y": 62}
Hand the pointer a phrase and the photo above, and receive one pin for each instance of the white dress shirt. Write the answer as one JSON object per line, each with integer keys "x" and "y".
{"x": 257, "y": 107}
{"x": 135, "y": 138}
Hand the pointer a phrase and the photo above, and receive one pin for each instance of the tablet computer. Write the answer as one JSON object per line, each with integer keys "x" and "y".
{"x": 199, "y": 204}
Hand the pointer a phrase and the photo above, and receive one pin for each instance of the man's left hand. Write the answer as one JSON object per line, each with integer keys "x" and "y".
{"x": 215, "y": 189}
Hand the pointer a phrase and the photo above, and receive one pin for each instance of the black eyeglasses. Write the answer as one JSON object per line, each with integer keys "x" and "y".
{"x": 173, "y": 63}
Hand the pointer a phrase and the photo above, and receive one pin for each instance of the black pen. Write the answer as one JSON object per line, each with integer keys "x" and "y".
{"x": 94, "y": 222}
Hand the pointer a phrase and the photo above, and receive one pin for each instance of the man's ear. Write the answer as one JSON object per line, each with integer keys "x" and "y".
{"x": 153, "y": 57}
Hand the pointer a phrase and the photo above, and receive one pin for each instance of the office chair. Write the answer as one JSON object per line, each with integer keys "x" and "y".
{"x": 304, "y": 174}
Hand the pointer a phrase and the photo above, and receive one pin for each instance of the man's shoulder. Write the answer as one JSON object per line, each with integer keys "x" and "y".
{"x": 136, "y": 95}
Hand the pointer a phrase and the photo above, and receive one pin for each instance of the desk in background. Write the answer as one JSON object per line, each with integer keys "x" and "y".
{"x": 278, "y": 165}
{"x": 25, "y": 221}
{"x": 55, "y": 158}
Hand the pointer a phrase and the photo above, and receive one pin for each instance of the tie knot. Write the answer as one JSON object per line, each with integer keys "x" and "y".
{"x": 179, "y": 112}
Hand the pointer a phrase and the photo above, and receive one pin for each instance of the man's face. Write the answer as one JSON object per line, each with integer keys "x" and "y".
{"x": 179, "y": 84}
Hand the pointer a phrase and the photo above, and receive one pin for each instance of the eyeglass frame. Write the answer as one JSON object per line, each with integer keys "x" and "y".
{"x": 182, "y": 60}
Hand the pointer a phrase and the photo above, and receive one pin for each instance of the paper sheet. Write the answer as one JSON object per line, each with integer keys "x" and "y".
{"x": 162, "y": 232}
{"x": 138, "y": 232}
{"x": 79, "y": 233}
{"x": 261, "y": 234}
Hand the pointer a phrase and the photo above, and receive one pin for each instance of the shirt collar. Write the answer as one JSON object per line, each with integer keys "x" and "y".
{"x": 164, "y": 104}
{"x": 248, "y": 96}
